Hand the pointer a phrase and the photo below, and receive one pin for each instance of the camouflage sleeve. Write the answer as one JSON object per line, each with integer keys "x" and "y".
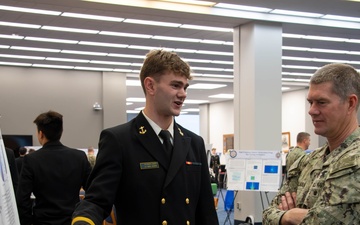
{"x": 293, "y": 156}
{"x": 339, "y": 201}
{"x": 272, "y": 215}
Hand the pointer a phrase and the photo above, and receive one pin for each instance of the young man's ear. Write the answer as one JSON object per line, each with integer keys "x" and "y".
{"x": 149, "y": 85}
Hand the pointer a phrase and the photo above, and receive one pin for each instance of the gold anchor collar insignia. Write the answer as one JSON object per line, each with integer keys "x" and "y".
{"x": 142, "y": 130}
{"x": 181, "y": 133}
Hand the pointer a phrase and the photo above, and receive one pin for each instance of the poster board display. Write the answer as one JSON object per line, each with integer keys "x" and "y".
{"x": 8, "y": 209}
{"x": 253, "y": 170}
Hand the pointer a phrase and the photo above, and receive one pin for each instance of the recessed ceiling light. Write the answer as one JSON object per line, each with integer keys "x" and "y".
{"x": 29, "y": 10}
{"x": 93, "y": 43}
{"x": 67, "y": 60}
{"x": 344, "y": 18}
{"x": 83, "y": 52}
{"x": 14, "y": 64}
{"x": 297, "y": 74}
{"x": 296, "y": 13}
{"x": 22, "y": 56}
{"x": 206, "y": 86}
{"x": 69, "y": 29}
{"x": 53, "y": 66}
{"x": 11, "y": 36}
{"x": 193, "y": 101}
{"x": 198, "y": 27}
{"x": 300, "y": 67}
{"x": 153, "y": 23}
{"x": 121, "y": 34}
{"x": 191, "y": 2}
{"x": 191, "y": 110}
{"x": 135, "y": 99}
{"x": 92, "y": 17}
{"x": 123, "y": 70}
{"x": 110, "y": 62}
{"x": 35, "y": 49}
{"x": 225, "y": 96}
{"x": 218, "y": 75}
{"x": 24, "y": 25}
{"x": 51, "y": 40}
{"x": 92, "y": 68}
{"x": 126, "y": 56}
{"x": 168, "y": 38}
{"x": 242, "y": 7}
{"x": 132, "y": 111}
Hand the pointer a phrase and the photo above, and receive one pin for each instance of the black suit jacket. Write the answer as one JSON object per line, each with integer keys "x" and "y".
{"x": 55, "y": 174}
{"x": 133, "y": 172}
{"x": 19, "y": 161}
{"x": 12, "y": 165}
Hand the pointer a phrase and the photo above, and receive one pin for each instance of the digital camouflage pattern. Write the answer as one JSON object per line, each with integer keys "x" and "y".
{"x": 326, "y": 183}
{"x": 293, "y": 155}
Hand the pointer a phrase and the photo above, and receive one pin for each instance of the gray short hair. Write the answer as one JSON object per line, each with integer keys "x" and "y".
{"x": 345, "y": 79}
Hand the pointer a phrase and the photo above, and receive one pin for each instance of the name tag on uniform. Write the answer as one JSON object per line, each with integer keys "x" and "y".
{"x": 149, "y": 165}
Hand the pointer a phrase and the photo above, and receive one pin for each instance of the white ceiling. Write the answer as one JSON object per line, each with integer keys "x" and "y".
{"x": 154, "y": 12}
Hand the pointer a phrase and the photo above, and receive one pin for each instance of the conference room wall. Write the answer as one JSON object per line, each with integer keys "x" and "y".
{"x": 27, "y": 92}
{"x": 295, "y": 119}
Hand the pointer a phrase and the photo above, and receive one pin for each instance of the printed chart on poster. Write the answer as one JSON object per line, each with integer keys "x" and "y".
{"x": 253, "y": 170}
{"x": 8, "y": 209}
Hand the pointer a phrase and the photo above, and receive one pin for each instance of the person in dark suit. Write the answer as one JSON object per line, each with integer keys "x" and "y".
{"x": 19, "y": 160}
{"x": 54, "y": 174}
{"x": 215, "y": 163}
{"x": 147, "y": 183}
{"x": 12, "y": 166}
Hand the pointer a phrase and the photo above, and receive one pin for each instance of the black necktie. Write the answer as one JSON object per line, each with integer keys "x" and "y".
{"x": 165, "y": 135}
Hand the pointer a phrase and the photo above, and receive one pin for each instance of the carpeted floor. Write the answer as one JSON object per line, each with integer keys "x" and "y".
{"x": 222, "y": 214}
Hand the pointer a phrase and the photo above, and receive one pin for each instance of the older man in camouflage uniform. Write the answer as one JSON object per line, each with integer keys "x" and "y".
{"x": 323, "y": 187}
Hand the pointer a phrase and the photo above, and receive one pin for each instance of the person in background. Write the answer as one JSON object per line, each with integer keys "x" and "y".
{"x": 152, "y": 169}
{"x": 91, "y": 156}
{"x": 302, "y": 144}
{"x": 31, "y": 150}
{"x": 12, "y": 166}
{"x": 323, "y": 187}
{"x": 19, "y": 160}
{"x": 215, "y": 163}
{"x": 54, "y": 174}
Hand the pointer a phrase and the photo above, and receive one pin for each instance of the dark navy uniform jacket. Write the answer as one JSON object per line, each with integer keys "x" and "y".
{"x": 55, "y": 174}
{"x": 133, "y": 172}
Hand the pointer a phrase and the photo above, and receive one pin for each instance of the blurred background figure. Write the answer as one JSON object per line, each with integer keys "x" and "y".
{"x": 91, "y": 156}
{"x": 214, "y": 164}
{"x": 19, "y": 160}
{"x": 12, "y": 166}
{"x": 302, "y": 144}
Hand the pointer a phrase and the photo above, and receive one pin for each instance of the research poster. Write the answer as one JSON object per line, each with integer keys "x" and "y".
{"x": 253, "y": 170}
{"x": 8, "y": 209}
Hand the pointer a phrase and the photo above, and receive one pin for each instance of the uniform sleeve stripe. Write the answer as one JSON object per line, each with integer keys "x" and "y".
{"x": 83, "y": 219}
